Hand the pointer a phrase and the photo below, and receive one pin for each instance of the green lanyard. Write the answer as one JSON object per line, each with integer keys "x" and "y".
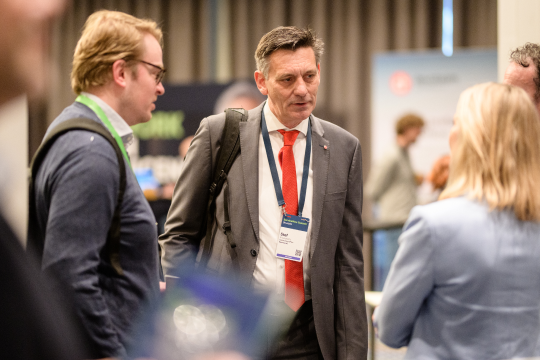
{"x": 101, "y": 114}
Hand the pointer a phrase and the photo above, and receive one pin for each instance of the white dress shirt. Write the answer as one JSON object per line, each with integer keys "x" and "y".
{"x": 269, "y": 270}
{"x": 119, "y": 124}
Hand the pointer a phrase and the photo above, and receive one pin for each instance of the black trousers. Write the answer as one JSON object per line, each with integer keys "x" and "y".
{"x": 300, "y": 339}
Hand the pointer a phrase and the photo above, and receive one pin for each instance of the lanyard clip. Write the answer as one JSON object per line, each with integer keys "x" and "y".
{"x": 283, "y": 209}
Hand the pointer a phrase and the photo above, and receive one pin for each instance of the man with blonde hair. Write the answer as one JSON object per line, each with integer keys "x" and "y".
{"x": 288, "y": 219}
{"x": 80, "y": 192}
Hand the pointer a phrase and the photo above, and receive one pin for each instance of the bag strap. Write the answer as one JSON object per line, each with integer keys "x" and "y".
{"x": 230, "y": 147}
{"x": 35, "y": 240}
{"x": 227, "y": 231}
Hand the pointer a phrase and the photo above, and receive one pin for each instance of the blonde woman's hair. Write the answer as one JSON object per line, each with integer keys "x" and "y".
{"x": 108, "y": 36}
{"x": 496, "y": 158}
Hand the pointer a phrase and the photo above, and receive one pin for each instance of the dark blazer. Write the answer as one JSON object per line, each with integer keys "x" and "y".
{"x": 337, "y": 265}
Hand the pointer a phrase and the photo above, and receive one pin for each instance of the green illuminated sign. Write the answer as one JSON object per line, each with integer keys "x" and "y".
{"x": 163, "y": 125}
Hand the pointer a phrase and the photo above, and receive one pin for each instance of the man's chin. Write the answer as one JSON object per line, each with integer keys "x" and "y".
{"x": 303, "y": 114}
{"x": 142, "y": 120}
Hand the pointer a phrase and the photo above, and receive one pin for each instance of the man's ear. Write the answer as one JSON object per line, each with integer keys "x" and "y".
{"x": 261, "y": 82}
{"x": 119, "y": 72}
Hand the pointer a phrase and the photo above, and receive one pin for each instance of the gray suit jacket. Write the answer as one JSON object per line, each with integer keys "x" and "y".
{"x": 337, "y": 265}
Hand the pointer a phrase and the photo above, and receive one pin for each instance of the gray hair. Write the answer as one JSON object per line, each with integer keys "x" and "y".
{"x": 520, "y": 56}
{"x": 288, "y": 38}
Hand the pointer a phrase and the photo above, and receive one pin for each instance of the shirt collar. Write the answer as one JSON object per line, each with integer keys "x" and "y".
{"x": 273, "y": 124}
{"x": 119, "y": 124}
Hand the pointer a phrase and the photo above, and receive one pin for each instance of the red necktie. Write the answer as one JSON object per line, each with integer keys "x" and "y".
{"x": 294, "y": 272}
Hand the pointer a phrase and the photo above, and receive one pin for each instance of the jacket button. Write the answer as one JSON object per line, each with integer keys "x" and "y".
{"x": 253, "y": 252}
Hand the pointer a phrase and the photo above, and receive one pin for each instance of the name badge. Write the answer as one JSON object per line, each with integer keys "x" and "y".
{"x": 292, "y": 237}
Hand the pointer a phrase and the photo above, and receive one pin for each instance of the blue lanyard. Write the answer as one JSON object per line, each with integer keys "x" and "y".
{"x": 273, "y": 169}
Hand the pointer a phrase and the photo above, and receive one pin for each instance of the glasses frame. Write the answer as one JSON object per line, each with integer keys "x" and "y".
{"x": 160, "y": 74}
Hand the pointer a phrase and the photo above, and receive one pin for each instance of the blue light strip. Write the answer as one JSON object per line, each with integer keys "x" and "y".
{"x": 447, "y": 28}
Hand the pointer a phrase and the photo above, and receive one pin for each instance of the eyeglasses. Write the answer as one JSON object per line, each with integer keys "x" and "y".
{"x": 160, "y": 74}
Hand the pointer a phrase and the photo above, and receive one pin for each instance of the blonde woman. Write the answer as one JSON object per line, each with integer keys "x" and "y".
{"x": 465, "y": 283}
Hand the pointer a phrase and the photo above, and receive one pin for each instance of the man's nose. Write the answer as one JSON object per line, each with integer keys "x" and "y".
{"x": 300, "y": 89}
{"x": 160, "y": 89}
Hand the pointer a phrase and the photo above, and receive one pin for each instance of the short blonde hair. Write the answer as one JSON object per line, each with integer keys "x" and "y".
{"x": 108, "y": 36}
{"x": 496, "y": 158}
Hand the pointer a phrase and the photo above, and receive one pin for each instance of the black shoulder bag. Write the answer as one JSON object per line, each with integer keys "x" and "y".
{"x": 229, "y": 150}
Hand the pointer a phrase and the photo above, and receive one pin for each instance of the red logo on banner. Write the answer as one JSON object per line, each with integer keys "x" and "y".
{"x": 400, "y": 83}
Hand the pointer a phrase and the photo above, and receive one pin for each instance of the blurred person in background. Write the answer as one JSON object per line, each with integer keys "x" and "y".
{"x": 184, "y": 146}
{"x": 117, "y": 73}
{"x": 524, "y": 71}
{"x": 392, "y": 185}
{"x": 465, "y": 281}
{"x": 33, "y": 323}
{"x": 241, "y": 94}
{"x": 438, "y": 176}
{"x": 324, "y": 290}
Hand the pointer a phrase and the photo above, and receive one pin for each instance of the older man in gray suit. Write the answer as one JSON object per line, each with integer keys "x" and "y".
{"x": 293, "y": 169}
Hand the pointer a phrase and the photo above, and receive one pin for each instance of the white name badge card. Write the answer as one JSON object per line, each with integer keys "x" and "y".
{"x": 292, "y": 237}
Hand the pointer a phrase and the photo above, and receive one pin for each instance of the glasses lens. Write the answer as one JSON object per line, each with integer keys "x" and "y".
{"x": 159, "y": 76}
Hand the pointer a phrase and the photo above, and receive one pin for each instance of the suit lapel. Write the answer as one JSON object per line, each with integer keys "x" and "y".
{"x": 320, "y": 157}
{"x": 249, "y": 143}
